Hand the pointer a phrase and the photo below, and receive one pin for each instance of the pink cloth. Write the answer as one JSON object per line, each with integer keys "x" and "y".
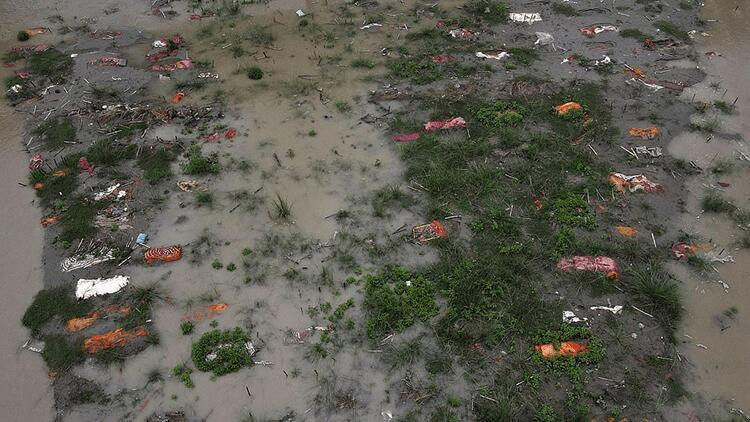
{"x": 456, "y": 122}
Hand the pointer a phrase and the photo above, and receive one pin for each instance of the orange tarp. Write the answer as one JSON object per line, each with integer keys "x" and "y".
{"x": 170, "y": 253}
{"x": 115, "y": 338}
{"x": 563, "y": 109}
{"x": 82, "y": 323}
{"x": 626, "y": 230}
{"x": 567, "y": 348}
{"x": 207, "y": 312}
{"x": 48, "y": 221}
{"x": 427, "y": 232}
{"x": 644, "y": 132}
{"x": 177, "y": 97}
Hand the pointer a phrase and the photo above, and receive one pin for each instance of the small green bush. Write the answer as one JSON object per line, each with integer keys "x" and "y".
{"x": 228, "y": 347}
{"x": 186, "y": 327}
{"x": 197, "y": 163}
{"x": 255, "y": 73}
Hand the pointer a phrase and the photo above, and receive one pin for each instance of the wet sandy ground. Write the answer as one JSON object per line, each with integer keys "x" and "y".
{"x": 713, "y": 343}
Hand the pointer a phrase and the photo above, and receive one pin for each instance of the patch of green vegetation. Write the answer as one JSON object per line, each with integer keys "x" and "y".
{"x": 723, "y": 167}
{"x": 78, "y": 219}
{"x": 564, "y": 9}
{"x": 657, "y": 292}
{"x": 395, "y": 299}
{"x": 724, "y": 107}
{"x": 22, "y": 36}
{"x": 217, "y": 265}
{"x": 390, "y": 196}
{"x": 52, "y": 64}
{"x": 231, "y": 267}
{"x": 713, "y": 202}
{"x": 522, "y": 56}
{"x": 198, "y": 164}
{"x": 52, "y": 302}
{"x": 255, "y": 73}
{"x": 419, "y": 72}
{"x": 635, "y": 33}
{"x": 59, "y": 354}
{"x": 156, "y": 164}
{"x": 363, "y": 64}
{"x": 343, "y": 106}
{"x": 108, "y": 152}
{"x": 501, "y": 114}
{"x": 282, "y": 208}
{"x": 221, "y": 352}
{"x": 338, "y": 314}
{"x": 572, "y": 210}
{"x": 204, "y": 198}
{"x": 492, "y": 11}
{"x": 672, "y": 29}
{"x": 55, "y": 132}
{"x": 182, "y": 372}
{"x": 260, "y": 36}
{"x": 186, "y": 327}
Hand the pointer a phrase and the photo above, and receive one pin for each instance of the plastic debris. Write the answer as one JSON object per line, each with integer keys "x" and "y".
{"x": 36, "y": 31}
{"x": 634, "y": 183}
{"x": 460, "y": 33}
{"x": 100, "y": 286}
{"x": 494, "y": 56}
{"x": 456, "y": 122}
{"x": 592, "y": 30}
{"x": 177, "y": 97}
{"x": 30, "y": 48}
{"x": 141, "y": 239}
{"x": 371, "y": 25}
{"x": 207, "y": 312}
{"x": 89, "y": 260}
{"x": 426, "y": 233}
{"x": 115, "y": 338}
{"x": 110, "y": 61}
{"x": 36, "y": 162}
{"x": 599, "y": 264}
{"x": 113, "y": 192}
{"x": 525, "y": 17}
{"x": 187, "y": 185}
{"x": 644, "y": 133}
{"x": 300, "y": 13}
{"x": 230, "y": 133}
{"x": 646, "y": 150}
{"x": 33, "y": 345}
{"x": 105, "y": 35}
{"x": 49, "y": 220}
{"x": 544, "y": 38}
{"x": 199, "y": 17}
{"x": 713, "y": 256}
{"x": 567, "y": 348}
{"x": 614, "y": 309}
{"x": 182, "y": 64}
{"x": 84, "y": 165}
{"x": 387, "y": 415}
{"x": 298, "y": 337}
{"x": 159, "y": 44}
{"x": 443, "y": 58}
{"x": 167, "y": 254}
{"x": 569, "y": 317}
{"x": 652, "y": 86}
{"x": 406, "y": 138}
{"x": 208, "y": 75}
{"x": 626, "y": 230}
{"x": 564, "y": 109}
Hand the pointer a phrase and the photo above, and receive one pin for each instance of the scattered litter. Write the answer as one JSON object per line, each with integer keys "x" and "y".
{"x": 525, "y": 17}
{"x": 443, "y": 58}
{"x": 230, "y": 133}
{"x": 30, "y": 48}
{"x": 182, "y": 64}
{"x": 644, "y": 133}
{"x": 79, "y": 324}
{"x": 89, "y": 260}
{"x": 300, "y": 13}
{"x": 100, "y": 286}
{"x": 387, "y": 415}
{"x": 456, "y": 122}
{"x": 592, "y": 30}
{"x": 36, "y": 31}
{"x": 569, "y": 317}
{"x": 646, "y": 150}
{"x": 187, "y": 185}
{"x": 614, "y": 309}
{"x": 605, "y": 60}
{"x": 567, "y": 348}
{"x": 110, "y": 61}
{"x": 167, "y": 254}
{"x": 652, "y": 86}
{"x": 634, "y": 183}
{"x": 371, "y": 25}
{"x": 682, "y": 250}
{"x": 460, "y": 33}
{"x": 208, "y": 75}
{"x": 543, "y": 38}
{"x": 113, "y": 192}
{"x": 141, "y": 239}
{"x": 426, "y": 233}
{"x": 159, "y": 44}
{"x": 115, "y": 338}
{"x": 207, "y": 312}
{"x": 33, "y": 345}
{"x": 177, "y": 97}
{"x": 199, "y": 17}
{"x": 564, "y": 109}
{"x": 84, "y": 165}
{"x": 494, "y": 56}
{"x": 298, "y": 337}
{"x": 406, "y": 138}
{"x": 713, "y": 256}
{"x": 105, "y": 35}
{"x": 626, "y": 230}
{"x": 49, "y": 220}
{"x": 599, "y": 264}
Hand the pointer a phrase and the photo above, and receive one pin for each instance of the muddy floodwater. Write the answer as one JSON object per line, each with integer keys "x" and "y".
{"x": 291, "y": 210}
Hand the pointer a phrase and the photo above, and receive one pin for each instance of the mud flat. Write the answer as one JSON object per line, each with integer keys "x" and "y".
{"x": 375, "y": 211}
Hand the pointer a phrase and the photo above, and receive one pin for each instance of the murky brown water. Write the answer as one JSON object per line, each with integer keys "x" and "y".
{"x": 714, "y": 344}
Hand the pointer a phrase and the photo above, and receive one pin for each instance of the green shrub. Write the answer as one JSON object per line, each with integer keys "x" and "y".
{"x": 186, "y": 327}
{"x": 59, "y": 354}
{"x": 197, "y": 163}
{"x": 227, "y": 348}
{"x": 501, "y": 114}
{"x": 156, "y": 164}
{"x": 52, "y": 302}
{"x": 255, "y": 73}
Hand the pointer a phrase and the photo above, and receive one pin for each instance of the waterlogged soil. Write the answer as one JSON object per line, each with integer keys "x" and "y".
{"x": 312, "y": 133}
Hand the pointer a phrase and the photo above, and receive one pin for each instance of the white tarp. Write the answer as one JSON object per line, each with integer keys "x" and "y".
{"x": 96, "y": 287}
